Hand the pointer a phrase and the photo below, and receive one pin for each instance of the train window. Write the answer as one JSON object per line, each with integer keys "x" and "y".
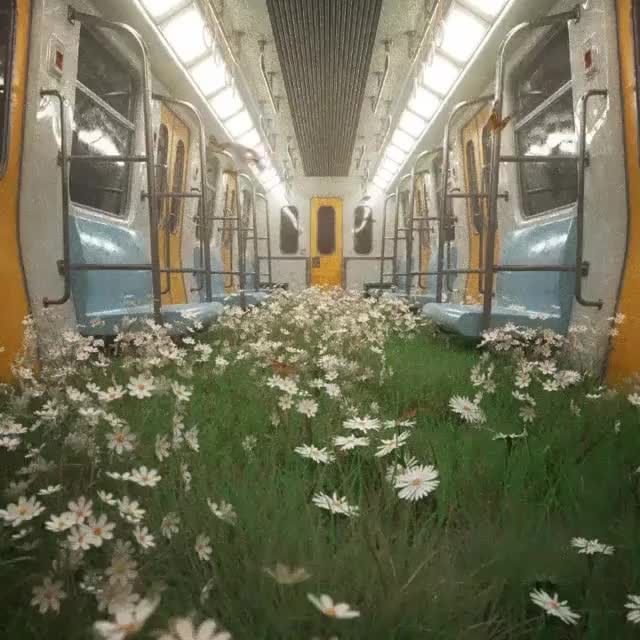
{"x": 102, "y": 127}
{"x": 546, "y": 126}
{"x": 7, "y": 13}
{"x": 363, "y": 230}
{"x": 326, "y": 230}
{"x": 289, "y": 230}
{"x": 213, "y": 169}
{"x": 472, "y": 173}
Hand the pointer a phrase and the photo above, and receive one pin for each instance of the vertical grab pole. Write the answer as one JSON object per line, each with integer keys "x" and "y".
{"x": 383, "y": 236}
{"x": 394, "y": 270}
{"x": 241, "y": 255}
{"x": 147, "y": 93}
{"x": 268, "y": 230}
{"x": 442, "y": 214}
{"x": 256, "y": 257}
{"x": 582, "y": 167}
{"x": 494, "y": 179}
{"x": 409, "y": 232}
{"x": 64, "y": 169}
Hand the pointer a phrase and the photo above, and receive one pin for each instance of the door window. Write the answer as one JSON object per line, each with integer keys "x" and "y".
{"x": 178, "y": 187}
{"x": 472, "y": 173}
{"x": 326, "y": 221}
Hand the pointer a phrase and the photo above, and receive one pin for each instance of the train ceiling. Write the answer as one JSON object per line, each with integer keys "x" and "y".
{"x": 325, "y": 48}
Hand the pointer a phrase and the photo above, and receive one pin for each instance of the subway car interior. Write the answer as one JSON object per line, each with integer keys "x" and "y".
{"x": 328, "y": 212}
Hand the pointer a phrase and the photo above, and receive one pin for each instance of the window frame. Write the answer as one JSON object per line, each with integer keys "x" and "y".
{"x": 129, "y": 124}
{"x": 5, "y": 126}
{"x": 517, "y": 76}
{"x": 296, "y": 212}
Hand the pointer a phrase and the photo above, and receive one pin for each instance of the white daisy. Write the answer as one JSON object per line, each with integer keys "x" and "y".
{"x": 130, "y": 510}
{"x": 107, "y": 498}
{"x": 320, "y": 456}
{"x": 163, "y": 447}
{"x": 170, "y": 525}
{"x": 145, "y": 477}
{"x": 79, "y": 538}
{"x": 48, "y": 595}
{"x": 307, "y": 407}
{"x": 121, "y": 440}
{"x": 143, "y": 537}
{"x": 203, "y": 547}
{"x": 60, "y": 523}
{"x": 23, "y": 511}
{"x": 122, "y": 570}
{"x": 334, "y": 504}
{"x": 346, "y": 443}
{"x": 362, "y": 424}
{"x": 388, "y": 446}
{"x": 554, "y": 607}
{"x": 50, "y": 490}
{"x": 82, "y": 508}
{"x": 283, "y": 574}
{"x": 127, "y": 621}
{"x": 224, "y": 511}
{"x": 339, "y": 610}
{"x": 467, "y": 409}
{"x": 591, "y": 547}
{"x": 633, "y": 604}
{"x": 184, "y": 629}
{"x": 141, "y": 387}
{"x": 634, "y": 399}
{"x": 417, "y": 482}
{"x": 181, "y": 392}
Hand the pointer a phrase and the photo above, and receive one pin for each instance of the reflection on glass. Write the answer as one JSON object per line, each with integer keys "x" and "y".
{"x": 363, "y": 230}
{"x": 6, "y": 27}
{"x": 289, "y": 230}
{"x": 326, "y": 230}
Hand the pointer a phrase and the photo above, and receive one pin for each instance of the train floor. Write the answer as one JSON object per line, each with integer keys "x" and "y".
{"x": 323, "y": 466}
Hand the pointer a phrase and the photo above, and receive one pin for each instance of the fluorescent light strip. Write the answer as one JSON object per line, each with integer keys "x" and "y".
{"x": 464, "y": 31}
{"x": 186, "y": 32}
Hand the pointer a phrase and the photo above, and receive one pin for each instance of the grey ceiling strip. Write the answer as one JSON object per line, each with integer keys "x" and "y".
{"x": 325, "y": 49}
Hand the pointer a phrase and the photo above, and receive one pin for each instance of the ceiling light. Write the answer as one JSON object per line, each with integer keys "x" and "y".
{"x": 250, "y": 139}
{"x": 439, "y": 74}
{"x": 412, "y": 124}
{"x": 489, "y": 8}
{"x": 390, "y": 165}
{"x": 403, "y": 140}
{"x": 380, "y": 183}
{"x": 462, "y": 32}
{"x": 209, "y": 75}
{"x": 384, "y": 174}
{"x": 226, "y": 103}
{"x": 239, "y": 124}
{"x": 187, "y": 35}
{"x": 160, "y": 8}
{"x": 424, "y": 103}
{"x": 396, "y": 154}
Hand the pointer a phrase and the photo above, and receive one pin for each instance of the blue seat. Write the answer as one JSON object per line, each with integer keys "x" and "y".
{"x": 541, "y": 299}
{"x": 466, "y": 319}
{"x": 179, "y": 317}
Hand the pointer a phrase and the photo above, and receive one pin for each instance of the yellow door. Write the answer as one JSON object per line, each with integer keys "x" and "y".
{"x": 326, "y": 242}
{"x": 229, "y": 224}
{"x": 172, "y": 158}
{"x": 476, "y": 144}
{"x": 623, "y": 359}
{"x": 14, "y": 44}
{"x": 421, "y": 211}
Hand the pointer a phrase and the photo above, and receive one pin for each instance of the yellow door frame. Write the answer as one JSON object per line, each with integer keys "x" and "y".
{"x": 472, "y": 133}
{"x": 326, "y": 268}
{"x": 623, "y": 359}
{"x": 172, "y": 209}
{"x": 15, "y": 299}
{"x": 229, "y": 224}
{"x": 421, "y": 211}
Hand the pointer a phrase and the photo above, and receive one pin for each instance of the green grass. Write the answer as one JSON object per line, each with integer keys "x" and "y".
{"x": 459, "y": 564}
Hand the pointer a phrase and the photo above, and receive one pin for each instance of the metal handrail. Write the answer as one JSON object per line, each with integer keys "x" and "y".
{"x": 497, "y": 114}
{"x": 412, "y": 201}
{"x": 268, "y": 237}
{"x": 263, "y": 70}
{"x": 64, "y": 173}
{"x": 383, "y": 234}
{"x": 383, "y": 80}
{"x": 148, "y": 159}
{"x": 582, "y": 164}
{"x": 396, "y": 229}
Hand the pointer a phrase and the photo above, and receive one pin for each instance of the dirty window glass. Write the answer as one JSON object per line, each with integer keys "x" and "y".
{"x": 100, "y": 129}
{"x": 289, "y": 230}
{"x": 546, "y": 127}
{"x": 326, "y": 230}
{"x": 363, "y": 230}
{"x": 6, "y": 47}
